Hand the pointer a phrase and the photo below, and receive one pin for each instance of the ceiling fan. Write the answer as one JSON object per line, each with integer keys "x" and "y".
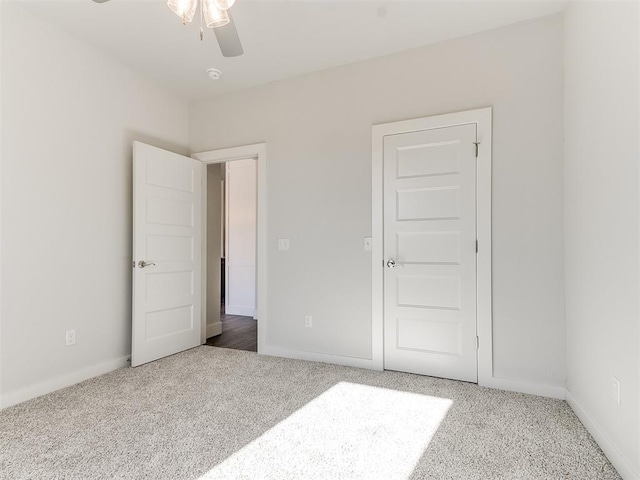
{"x": 214, "y": 14}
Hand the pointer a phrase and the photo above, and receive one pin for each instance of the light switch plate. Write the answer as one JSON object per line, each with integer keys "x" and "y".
{"x": 283, "y": 244}
{"x": 367, "y": 244}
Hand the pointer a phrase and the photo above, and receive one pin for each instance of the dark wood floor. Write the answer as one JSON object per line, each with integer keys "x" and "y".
{"x": 238, "y": 332}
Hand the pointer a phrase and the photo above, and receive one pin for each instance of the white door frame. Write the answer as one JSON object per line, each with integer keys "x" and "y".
{"x": 482, "y": 119}
{"x": 257, "y": 151}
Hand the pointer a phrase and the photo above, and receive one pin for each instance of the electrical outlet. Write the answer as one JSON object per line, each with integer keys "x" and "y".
{"x": 616, "y": 390}
{"x": 283, "y": 244}
{"x": 70, "y": 338}
{"x": 308, "y": 321}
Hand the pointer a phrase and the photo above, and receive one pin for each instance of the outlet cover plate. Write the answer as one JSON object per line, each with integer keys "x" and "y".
{"x": 283, "y": 244}
{"x": 70, "y": 338}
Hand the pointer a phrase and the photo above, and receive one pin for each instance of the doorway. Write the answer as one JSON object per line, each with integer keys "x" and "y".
{"x": 231, "y": 226}
{"x": 429, "y": 244}
{"x": 431, "y": 255}
{"x": 257, "y": 315}
{"x": 169, "y": 307}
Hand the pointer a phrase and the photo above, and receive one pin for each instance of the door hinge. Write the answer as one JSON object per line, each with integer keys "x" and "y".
{"x": 476, "y": 246}
{"x": 477, "y": 342}
{"x": 476, "y": 144}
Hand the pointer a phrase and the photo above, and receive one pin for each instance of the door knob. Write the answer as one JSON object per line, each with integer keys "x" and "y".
{"x": 391, "y": 263}
{"x": 143, "y": 264}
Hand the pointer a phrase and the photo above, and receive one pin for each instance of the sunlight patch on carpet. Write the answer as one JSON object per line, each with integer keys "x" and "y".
{"x": 351, "y": 431}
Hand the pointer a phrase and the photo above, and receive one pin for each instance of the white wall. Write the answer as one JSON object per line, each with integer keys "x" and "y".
{"x": 318, "y": 133}
{"x": 69, "y": 117}
{"x": 602, "y": 223}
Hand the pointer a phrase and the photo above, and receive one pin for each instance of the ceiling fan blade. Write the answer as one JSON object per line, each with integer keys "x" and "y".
{"x": 228, "y": 39}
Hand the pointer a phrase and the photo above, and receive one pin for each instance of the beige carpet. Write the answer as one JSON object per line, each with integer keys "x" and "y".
{"x": 213, "y": 413}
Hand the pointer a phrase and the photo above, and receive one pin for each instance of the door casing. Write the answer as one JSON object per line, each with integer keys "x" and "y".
{"x": 482, "y": 119}
{"x": 259, "y": 153}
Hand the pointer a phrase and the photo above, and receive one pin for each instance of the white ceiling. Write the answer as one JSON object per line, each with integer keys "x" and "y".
{"x": 281, "y": 38}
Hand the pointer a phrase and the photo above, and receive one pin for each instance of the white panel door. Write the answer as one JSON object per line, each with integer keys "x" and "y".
{"x": 241, "y": 215}
{"x": 167, "y": 238}
{"x": 430, "y": 236}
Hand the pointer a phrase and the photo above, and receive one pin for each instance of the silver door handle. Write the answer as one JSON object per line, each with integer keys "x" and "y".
{"x": 143, "y": 264}
{"x": 392, "y": 264}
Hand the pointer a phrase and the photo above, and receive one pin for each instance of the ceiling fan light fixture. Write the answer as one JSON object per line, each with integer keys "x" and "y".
{"x": 185, "y": 9}
{"x": 224, "y": 4}
{"x": 213, "y": 16}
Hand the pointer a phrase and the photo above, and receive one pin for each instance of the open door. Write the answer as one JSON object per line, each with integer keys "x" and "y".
{"x": 167, "y": 255}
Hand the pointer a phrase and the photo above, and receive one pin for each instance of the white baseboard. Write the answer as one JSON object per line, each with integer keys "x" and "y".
{"x": 48, "y": 386}
{"x": 239, "y": 310}
{"x": 531, "y": 388}
{"x": 621, "y": 464}
{"x": 318, "y": 357}
{"x": 214, "y": 329}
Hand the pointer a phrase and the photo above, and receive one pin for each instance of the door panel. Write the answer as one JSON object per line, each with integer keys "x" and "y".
{"x": 170, "y": 248}
{"x": 428, "y": 291}
{"x": 429, "y": 247}
{"x": 167, "y": 233}
{"x": 429, "y": 335}
{"x": 241, "y": 208}
{"x": 430, "y": 232}
{"x": 428, "y": 159}
{"x": 435, "y": 203}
